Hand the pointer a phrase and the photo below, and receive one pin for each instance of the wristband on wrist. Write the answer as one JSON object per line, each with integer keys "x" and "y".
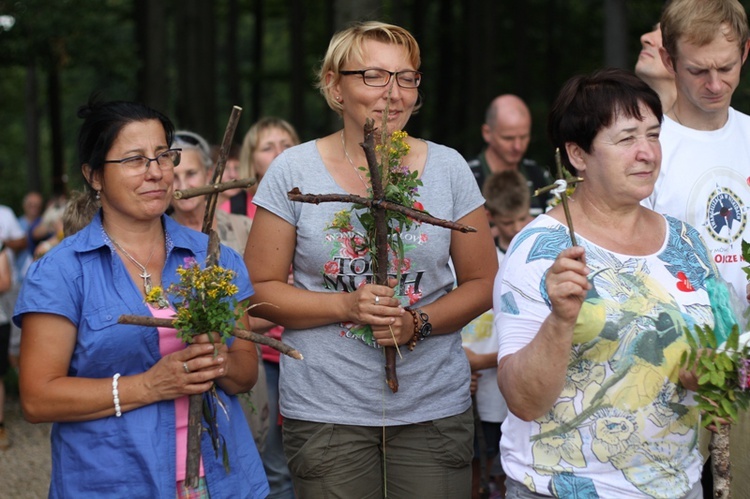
{"x": 116, "y": 394}
{"x": 422, "y": 326}
{"x": 413, "y": 341}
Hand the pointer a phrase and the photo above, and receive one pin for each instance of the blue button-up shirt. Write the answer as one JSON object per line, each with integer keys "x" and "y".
{"x": 84, "y": 281}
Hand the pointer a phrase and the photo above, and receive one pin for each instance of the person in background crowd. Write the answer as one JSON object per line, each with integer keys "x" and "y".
{"x": 48, "y": 232}
{"x": 650, "y": 68}
{"x": 345, "y": 433}
{"x": 32, "y": 209}
{"x": 195, "y": 170}
{"x": 265, "y": 140}
{"x": 6, "y": 282}
{"x": 119, "y": 393}
{"x": 13, "y": 237}
{"x": 507, "y": 203}
{"x": 231, "y": 172}
{"x": 507, "y": 132}
{"x": 507, "y": 200}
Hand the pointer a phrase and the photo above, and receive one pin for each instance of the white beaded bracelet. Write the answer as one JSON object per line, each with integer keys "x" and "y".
{"x": 116, "y": 395}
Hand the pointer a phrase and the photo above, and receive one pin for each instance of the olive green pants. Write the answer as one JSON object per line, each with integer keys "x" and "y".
{"x": 430, "y": 460}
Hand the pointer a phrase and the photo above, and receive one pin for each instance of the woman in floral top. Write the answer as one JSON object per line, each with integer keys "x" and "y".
{"x": 591, "y": 335}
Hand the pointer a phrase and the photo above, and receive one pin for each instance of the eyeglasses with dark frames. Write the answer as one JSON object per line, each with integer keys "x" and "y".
{"x": 376, "y": 77}
{"x": 138, "y": 165}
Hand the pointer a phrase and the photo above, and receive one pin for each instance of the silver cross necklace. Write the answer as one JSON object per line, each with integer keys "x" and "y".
{"x": 145, "y": 275}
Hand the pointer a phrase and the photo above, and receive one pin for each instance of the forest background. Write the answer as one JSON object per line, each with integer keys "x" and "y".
{"x": 195, "y": 59}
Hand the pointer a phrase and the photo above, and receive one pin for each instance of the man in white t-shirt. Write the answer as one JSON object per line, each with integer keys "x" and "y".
{"x": 705, "y": 143}
{"x": 705, "y": 170}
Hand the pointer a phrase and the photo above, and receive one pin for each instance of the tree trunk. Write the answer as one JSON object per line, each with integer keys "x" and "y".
{"x": 151, "y": 45}
{"x": 196, "y": 86}
{"x": 348, "y": 11}
{"x": 256, "y": 88}
{"x": 615, "y": 34}
{"x": 232, "y": 58}
{"x": 299, "y": 79}
{"x": 55, "y": 122}
{"x": 33, "y": 176}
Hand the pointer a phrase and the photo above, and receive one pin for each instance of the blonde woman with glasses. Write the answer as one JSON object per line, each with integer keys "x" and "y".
{"x": 345, "y": 433}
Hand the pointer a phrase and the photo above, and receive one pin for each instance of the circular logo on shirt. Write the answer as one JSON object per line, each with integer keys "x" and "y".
{"x": 725, "y": 218}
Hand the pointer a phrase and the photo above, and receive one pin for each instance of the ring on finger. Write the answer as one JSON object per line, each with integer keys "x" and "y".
{"x": 186, "y": 368}
{"x": 377, "y": 300}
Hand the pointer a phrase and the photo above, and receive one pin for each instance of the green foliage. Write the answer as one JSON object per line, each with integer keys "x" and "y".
{"x": 746, "y": 256}
{"x": 204, "y": 304}
{"x": 722, "y": 373}
{"x": 400, "y": 186}
{"x": 203, "y": 301}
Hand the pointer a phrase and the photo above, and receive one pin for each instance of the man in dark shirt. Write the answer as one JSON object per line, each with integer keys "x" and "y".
{"x": 507, "y": 131}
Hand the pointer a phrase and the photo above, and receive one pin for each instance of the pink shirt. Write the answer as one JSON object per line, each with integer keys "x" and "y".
{"x": 249, "y": 210}
{"x": 169, "y": 343}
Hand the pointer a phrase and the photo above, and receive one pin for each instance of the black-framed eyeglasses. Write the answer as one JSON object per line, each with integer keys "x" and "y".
{"x": 377, "y": 77}
{"x": 138, "y": 165}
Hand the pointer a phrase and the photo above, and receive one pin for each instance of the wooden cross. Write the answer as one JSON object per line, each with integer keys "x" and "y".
{"x": 378, "y": 206}
{"x": 560, "y": 188}
{"x": 212, "y": 193}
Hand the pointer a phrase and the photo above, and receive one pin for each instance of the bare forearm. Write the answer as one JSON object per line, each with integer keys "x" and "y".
{"x": 483, "y": 361}
{"x": 243, "y": 372}
{"x": 71, "y": 399}
{"x": 296, "y": 308}
{"x": 453, "y": 311}
{"x": 532, "y": 379}
{"x": 258, "y": 325}
{"x": 16, "y": 244}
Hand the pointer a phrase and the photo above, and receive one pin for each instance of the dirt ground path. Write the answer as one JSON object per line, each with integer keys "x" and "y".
{"x": 25, "y": 467}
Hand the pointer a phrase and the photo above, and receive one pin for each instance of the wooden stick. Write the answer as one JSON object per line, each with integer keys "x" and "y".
{"x": 564, "y": 199}
{"x": 141, "y": 320}
{"x": 547, "y": 188}
{"x": 380, "y": 262}
{"x": 196, "y": 401}
{"x": 211, "y": 188}
{"x": 212, "y": 200}
{"x": 296, "y": 195}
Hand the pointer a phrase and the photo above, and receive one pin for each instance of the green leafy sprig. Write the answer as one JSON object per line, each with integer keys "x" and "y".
{"x": 722, "y": 372}
{"x": 400, "y": 186}
{"x": 203, "y": 300}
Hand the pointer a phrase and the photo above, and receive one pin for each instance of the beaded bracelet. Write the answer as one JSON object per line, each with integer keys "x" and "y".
{"x": 415, "y": 337}
{"x": 116, "y": 395}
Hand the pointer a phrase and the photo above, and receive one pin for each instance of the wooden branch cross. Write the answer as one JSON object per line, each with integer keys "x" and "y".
{"x": 211, "y": 192}
{"x": 378, "y": 206}
{"x": 560, "y": 189}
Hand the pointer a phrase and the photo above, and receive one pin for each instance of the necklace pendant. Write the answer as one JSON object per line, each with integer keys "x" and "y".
{"x": 146, "y": 281}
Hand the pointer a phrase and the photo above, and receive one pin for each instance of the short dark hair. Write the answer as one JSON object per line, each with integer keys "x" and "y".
{"x": 587, "y": 104}
{"x": 103, "y": 122}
